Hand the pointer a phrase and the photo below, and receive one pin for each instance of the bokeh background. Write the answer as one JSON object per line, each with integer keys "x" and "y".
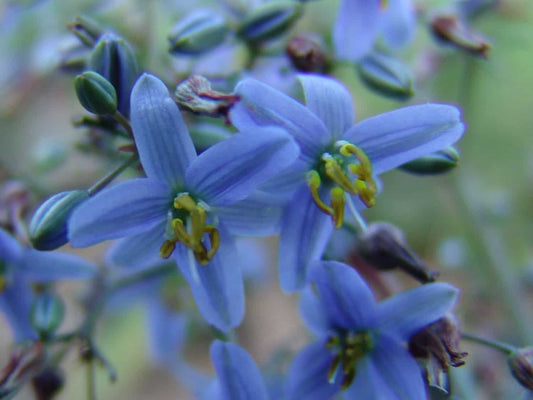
{"x": 474, "y": 225}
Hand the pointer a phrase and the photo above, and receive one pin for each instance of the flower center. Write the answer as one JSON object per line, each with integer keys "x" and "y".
{"x": 348, "y": 349}
{"x": 187, "y": 225}
{"x": 349, "y": 160}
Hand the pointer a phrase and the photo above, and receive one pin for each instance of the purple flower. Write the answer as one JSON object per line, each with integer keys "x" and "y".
{"x": 187, "y": 204}
{"x": 338, "y": 160}
{"x": 361, "y": 343}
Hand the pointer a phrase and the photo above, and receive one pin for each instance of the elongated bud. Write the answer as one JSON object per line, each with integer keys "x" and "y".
{"x": 433, "y": 164}
{"x": 307, "y": 53}
{"x": 521, "y": 366}
{"x": 46, "y": 314}
{"x": 384, "y": 247}
{"x": 269, "y": 20}
{"x": 386, "y": 75}
{"x": 48, "y": 383}
{"x": 95, "y": 93}
{"x": 48, "y": 226}
{"x": 198, "y": 32}
{"x": 448, "y": 29}
{"x": 113, "y": 58}
{"x": 86, "y": 29}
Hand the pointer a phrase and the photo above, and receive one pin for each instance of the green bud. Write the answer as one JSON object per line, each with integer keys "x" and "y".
{"x": 48, "y": 226}
{"x": 86, "y": 29}
{"x": 113, "y": 58}
{"x": 269, "y": 20}
{"x": 197, "y": 32}
{"x": 46, "y": 314}
{"x": 386, "y": 75}
{"x": 437, "y": 163}
{"x": 95, "y": 93}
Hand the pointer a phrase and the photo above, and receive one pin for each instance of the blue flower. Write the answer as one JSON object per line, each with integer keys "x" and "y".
{"x": 19, "y": 266}
{"x": 338, "y": 160}
{"x": 186, "y": 205}
{"x": 360, "y": 22}
{"x": 361, "y": 343}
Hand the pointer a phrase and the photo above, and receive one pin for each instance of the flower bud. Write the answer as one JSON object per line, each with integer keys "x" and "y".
{"x": 433, "y": 164}
{"x": 307, "y": 53}
{"x": 46, "y": 314}
{"x": 48, "y": 226}
{"x": 269, "y": 20}
{"x": 95, "y": 93}
{"x": 86, "y": 29}
{"x": 48, "y": 383}
{"x": 448, "y": 29}
{"x": 521, "y": 366}
{"x": 113, "y": 58}
{"x": 384, "y": 247}
{"x": 197, "y": 33}
{"x": 386, "y": 75}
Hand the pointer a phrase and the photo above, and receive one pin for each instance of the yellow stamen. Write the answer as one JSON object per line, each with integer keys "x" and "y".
{"x": 167, "y": 248}
{"x": 314, "y": 182}
{"x": 337, "y": 204}
{"x": 184, "y": 201}
{"x": 337, "y": 175}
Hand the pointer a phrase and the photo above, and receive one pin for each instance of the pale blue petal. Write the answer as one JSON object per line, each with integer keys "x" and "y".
{"x": 167, "y": 332}
{"x": 369, "y": 384}
{"x": 347, "y": 299}
{"x": 396, "y": 137}
{"x": 218, "y": 289}
{"x": 285, "y": 184}
{"x": 257, "y": 215}
{"x": 308, "y": 374}
{"x": 10, "y": 249}
{"x": 237, "y": 373}
{"x": 356, "y": 28}
{"x": 138, "y": 250}
{"x": 406, "y": 313}
{"x": 47, "y": 266}
{"x": 305, "y": 231}
{"x": 262, "y": 105}
{"x": 15, "y": 302}
{"x": 230, "y": 170}
{"x": 163, "y": 142}
{"x": 128, "y": 208}
{"x": 313, "y": 313}
{"x": 330, "y": 101}
{"x": 398, "y": 23}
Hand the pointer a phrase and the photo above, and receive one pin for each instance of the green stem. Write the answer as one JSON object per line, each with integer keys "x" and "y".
{"x": 505, "y": 348}
{"x": 104, "y": 181}
{"x": 122, "y": 120}
{"x": 91, "y": 384}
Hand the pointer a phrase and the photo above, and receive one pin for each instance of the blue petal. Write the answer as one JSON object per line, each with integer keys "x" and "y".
{"x": 286, "y": 183}
{"x": 257, "y": 215}
{"x": 139, "y": 250}
{"x": 313, "y": 313}
{"x": 356, "y": 28}
{"x": 406, "y": 313}
{"x": 345, "y": 296}
{"x": 126, "y": 209}
{"x": 46, "y": 266}
{"x": 330, "y": 101}
{"x": 398, "y": 23}
{"x": 230, "y": 170}
{"x": 167, "y": 329}
{"x": 389, "y": 372}
{"x": 15, "y": 302}
{"x": 304, "y": 234}
{"x": 308, "y": 374}
{"x": 10, "y": 249}
{"x": 237, "y": 372}
{"x": 218, "y": 289}
{"x": 396, "y": 137}
{"x": 163, "y": 142}
{"x": 262, "y": 105}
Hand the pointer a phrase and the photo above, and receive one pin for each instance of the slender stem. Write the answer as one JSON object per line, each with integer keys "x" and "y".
{"x": 497, "y": 345}
{"x": 91, "y": 384}
{"x": 361, "y": 223}
{"x": 122, "y": 120}
{"x": 104, "y": 181}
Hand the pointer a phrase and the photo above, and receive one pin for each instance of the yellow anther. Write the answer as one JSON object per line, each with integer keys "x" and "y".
{"x": 167, "y": 248}
{"x": 185, "y": 202}
{"x": 337, "y": 175}
{"x": 198, "y": 217}
{"x": 348, "y": 149}
{"x": 314, "y": 182}
{"x": 214, "y": 238}
{"x": 337, "y": 204}
{"x": 181, "y": 233}
{"x": 366, "y": 194}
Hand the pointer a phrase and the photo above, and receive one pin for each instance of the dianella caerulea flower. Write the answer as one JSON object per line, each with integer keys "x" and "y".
{"x": 361, "y": 345}
{"x": 182, "y": 206}
{"x": 338, "y": 160}
{"x": 19, "y": 266}
{"x": 359, "y": 23}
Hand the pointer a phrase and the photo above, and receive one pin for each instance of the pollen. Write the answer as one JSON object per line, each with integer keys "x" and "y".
{"x": 191, "y": 229}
